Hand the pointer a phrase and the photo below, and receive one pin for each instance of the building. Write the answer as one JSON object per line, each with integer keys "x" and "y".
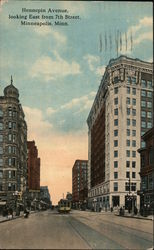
{"x": 121, "y": 113}
{"x": 45, "y": 199}
{"x": 80, "y": 182}
{"x": 33, "y": 171}
{"x": 147, "y": 170}
{"x": 13, "y": 148}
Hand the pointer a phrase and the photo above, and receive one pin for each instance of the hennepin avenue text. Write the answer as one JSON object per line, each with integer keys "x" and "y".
{"x": 76, "y": 125}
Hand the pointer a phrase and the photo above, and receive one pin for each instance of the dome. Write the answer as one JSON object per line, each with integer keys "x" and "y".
{"x": 11, "y": 91}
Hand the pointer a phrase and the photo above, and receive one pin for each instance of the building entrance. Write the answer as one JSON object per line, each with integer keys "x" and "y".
{"x": 115, "y": 201}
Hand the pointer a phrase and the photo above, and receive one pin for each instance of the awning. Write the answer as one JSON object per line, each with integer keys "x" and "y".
{"x": 2, "y": 203}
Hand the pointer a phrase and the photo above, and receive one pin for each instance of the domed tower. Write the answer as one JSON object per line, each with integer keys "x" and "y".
{"x": 11, "y": 91}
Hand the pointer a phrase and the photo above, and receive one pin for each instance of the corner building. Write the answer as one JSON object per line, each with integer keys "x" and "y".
{"x": 121, "y": 113}
{"x": 13, "y": 148}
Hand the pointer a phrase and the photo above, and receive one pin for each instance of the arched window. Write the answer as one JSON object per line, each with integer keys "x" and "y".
{"x": 1, "y": 112}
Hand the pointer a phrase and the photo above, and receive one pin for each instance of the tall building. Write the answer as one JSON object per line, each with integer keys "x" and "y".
{"x": 121, "y": 113}
{"x": 33, "y": 171}
{"x": 80, "y": 181}
{"x": 13, "y": 148}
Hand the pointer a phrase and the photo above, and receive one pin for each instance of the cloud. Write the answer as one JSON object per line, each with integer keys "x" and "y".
{"x": 100, "y": 70}
{"x": 77, "y": 8}
{"x": 49, "y": 68}
{"x": 81, "y": 104}
{"x": 92, "y": 60}
{"x": 57, "y": 151}
{"x": 50, "y": 111}
{"x": 44, "y": 31}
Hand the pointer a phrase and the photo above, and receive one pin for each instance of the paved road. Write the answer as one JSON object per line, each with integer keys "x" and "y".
{"x": 78, "y": 230}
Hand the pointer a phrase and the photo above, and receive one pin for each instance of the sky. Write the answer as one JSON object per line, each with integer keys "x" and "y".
{"x": 58, "y": 68}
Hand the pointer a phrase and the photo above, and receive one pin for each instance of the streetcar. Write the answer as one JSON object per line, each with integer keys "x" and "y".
{"x": 64, "y": 206}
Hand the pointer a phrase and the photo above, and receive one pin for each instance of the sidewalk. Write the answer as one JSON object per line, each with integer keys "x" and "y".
{"x": 138, "y": 216}
{"x": 5, "y": 218}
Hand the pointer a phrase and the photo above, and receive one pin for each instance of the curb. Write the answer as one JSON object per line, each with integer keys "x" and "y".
{"x": 140, "y": 218}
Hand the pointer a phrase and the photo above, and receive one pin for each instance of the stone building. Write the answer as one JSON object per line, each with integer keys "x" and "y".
{"x": 121, "y": 113}
{"x": 80, "y": 181}
{"x": 13, "y": 148}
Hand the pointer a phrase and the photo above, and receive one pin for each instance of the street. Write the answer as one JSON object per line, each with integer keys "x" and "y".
{"x": 77, "y": 230}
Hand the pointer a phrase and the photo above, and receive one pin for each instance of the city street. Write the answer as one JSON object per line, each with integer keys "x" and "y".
{"x": 77, "y": 230}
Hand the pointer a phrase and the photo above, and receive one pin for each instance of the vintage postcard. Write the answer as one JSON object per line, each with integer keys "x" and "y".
{"x": 76, "y": 124}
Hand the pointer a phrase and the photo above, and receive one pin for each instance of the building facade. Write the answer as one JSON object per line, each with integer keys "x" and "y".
{"x": 33, "y": 171}
{"x": 80, "y": 182}
{"x": 121, "y": 113}
{"x": 13, "y": 148}
{"x": 147, "y": 170}
{"x": 45, "y": 199}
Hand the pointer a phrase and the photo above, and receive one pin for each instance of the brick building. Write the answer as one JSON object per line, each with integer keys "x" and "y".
{"x": 79, "y": 181}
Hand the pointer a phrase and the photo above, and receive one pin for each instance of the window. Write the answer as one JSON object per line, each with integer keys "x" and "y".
{"x": 9, "y": 187}
{"x": 128, "y": 143}
{"x": 115, "y": 143}
{"x": 14, "y": 125}
{"x": 1, "y": 187}
{"x": 128, "y": 122}
{"x": 10, "y": 137}
{"x": 1, "y": 113}
{"x": 128, "y": 79}
{"x": 128, "y": 111}
{"x": 134, "y": 112}
{"x": 143, "y": 113}
{"x": 116, "y": 90}
{"x": 133, "y": 143}
{"x": 116, "y": 132}
{"x": 14, "y": 137}
{"x": 143, "y": 93}
{"x": 115, "y": 122}
{"x": 14, "y": 150}
{"x": 149, "y": 114}
{"x": 151, "y": 158}
{"x": 127, "y": 174}
{"x": 133, "y": 91}
{"x": 116, "y": 100}
{"x": 133, "y": 132}
{"x": 149, "y": 84}
{"x": 9, "y": 149}
{"x": 127, "y": 164}
{"x": 127, "y": 186}
{"x": 133, "y": 186}
{"x": 1, "y": 173}
{"x": 9, "y": 174}
{"x": 116, "y": 111}
{"x": 149, "y": 94}
{"x": 1, "y": 162}
{"x": 10, "y": 111}
{"x": 149, "y": 124}
{"x": 128, "y": 132}
{"x": 9, "y": 161}
{"x": 143, "y": 124}
{"x": 143, "y": 144}
{"x": 128, "y": 153}
{"x": 115, "y": 153}
{"x": 1, "y": 150}
{"x": 10, "y": 125}
{"x": 115, "y": 175}
{"x": 13, "y": 161}
{"x": 134, "y": 123}
{"x": 128, "y": 100}
{"x": 149, "y": 104}
{"x": 115, "y": 186}
{"x": 1, "y": 138}
{"x": 115, "y": 164}
{"x": 133, "y": 175}
{"x": 142, "y": 133}
{"x": 1, "y": 126}
{"x": 133, "y": 153}
{"x": 128, "y": 90}
{"x": 143, "y": 104}
{"x": 143, "y": 83}
{"x": 134, "y": 101}
{"x": 133, "y": 80}
{"x": 133, "y": 164}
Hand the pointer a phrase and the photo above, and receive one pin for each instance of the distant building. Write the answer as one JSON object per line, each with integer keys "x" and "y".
{"x": 33, "y": 171}
{"x": 121, "y": 113}
{"x": 13, "y": 148}
{"x": 79, "y": 181}
{"x": 45, "y": 198}
{"x": 147, "y": 169}
{"x": 69, "y": 196}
